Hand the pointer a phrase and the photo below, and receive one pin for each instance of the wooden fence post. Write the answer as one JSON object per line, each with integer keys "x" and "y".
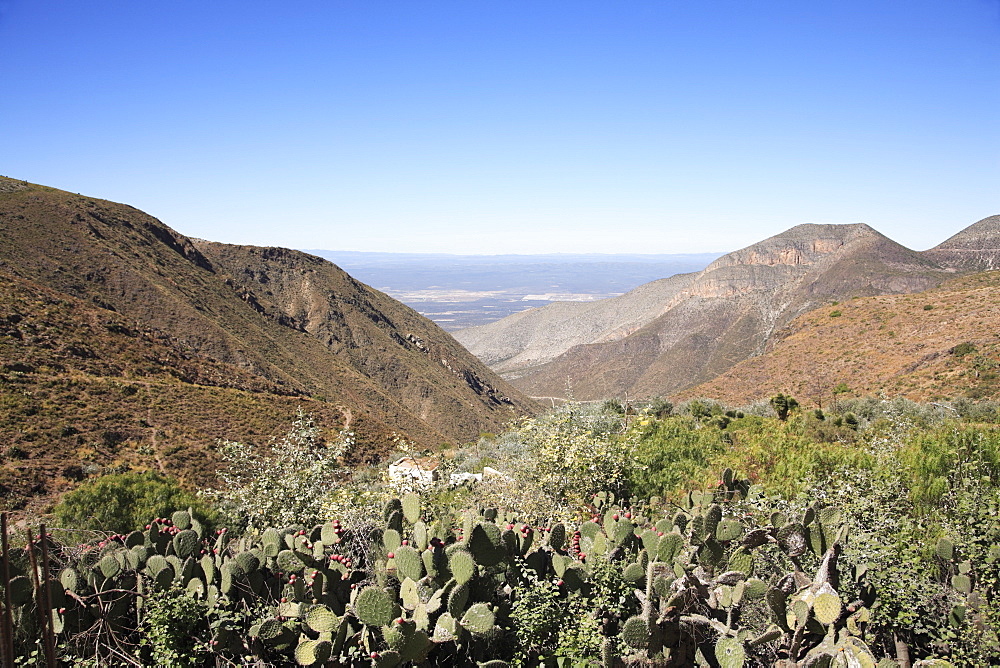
{"x": 8, "y": 623}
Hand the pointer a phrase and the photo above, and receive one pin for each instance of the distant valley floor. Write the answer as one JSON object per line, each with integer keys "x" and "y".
{"x": 459, "y": 291}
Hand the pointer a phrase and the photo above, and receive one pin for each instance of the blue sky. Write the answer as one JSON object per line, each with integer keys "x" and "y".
{"x": 511, "y": 126}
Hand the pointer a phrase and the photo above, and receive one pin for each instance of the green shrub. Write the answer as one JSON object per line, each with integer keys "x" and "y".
{"x": 174, "y": 628}
{"x": 126, "y": 501}
{"x": 671, "y": 454}
{"x": 963, "y": 349}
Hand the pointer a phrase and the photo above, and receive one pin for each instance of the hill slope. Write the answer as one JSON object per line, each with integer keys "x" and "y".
{"x": 530, "y": 338}
{"x": 291, "y": 321}
{"x": 83, "y": 389}
{"x": 940, "y": 343}
{"x": 976, "y": 248}
{"x": 710, "y": 321}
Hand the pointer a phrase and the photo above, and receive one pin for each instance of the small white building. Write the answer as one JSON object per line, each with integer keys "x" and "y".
{"x": 408, "y": 468}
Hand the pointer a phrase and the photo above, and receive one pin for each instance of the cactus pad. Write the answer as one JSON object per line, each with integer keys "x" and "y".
{"x": 670, "y": 547}
{"x": 416, "y": 648}
{"x": 411, "y": 507}
{"x": 288, "y": 562}
{"x": 110, "y": 566}
{"x": 635, "y": 632}
{"x": 961, "y": 583}
{"x": 69, "y": 579}
{"x": 420, "y": 537}
{"x": 634, "y": 572}
{"x": 374, "y": 607}
{"x": 486, "y": 544}
{"x": 269, "y": 629}
{"x": 826, "y": 607}
{"x": 945, "y": 549}
{"x": 462, "y": 566}
{"x": 755, "y": 589}
{"x": 557, "y": 538}
{"x": 478, "y": 619}
{"x": 186, "y": 543}
{"x": 181, "y": 519}
{"x": 408, "y": 563}
{"x": 195, "y": 588}
{"x": 271, "y": 540}
{"x": 741, "y": 560}
{"x": 20, "y": 590}
{"x": 457, "y": 600}
{"x": 728, "y": 529}
{"x": 322, "y": 620}
{"x": 391, "y": 540}
{"x": 446, "y": 629}
{"x": 590, "y": 530}
{"x": 792, "y": 539}
{"x": 311, "y": 652}
{"x": 730, "y": 653}
{"x": 409, "y": 594}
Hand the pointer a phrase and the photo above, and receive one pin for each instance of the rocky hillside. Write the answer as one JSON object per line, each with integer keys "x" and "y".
{"x": 942, "y": 343}
{"x": 533, "y": 337}
{"x": 266, "y": 320}
{"x": 976, "y": 248}
{"x": 695, "y": 327}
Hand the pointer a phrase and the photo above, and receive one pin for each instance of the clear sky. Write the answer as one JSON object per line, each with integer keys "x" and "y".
{"x": 511, "y": 126}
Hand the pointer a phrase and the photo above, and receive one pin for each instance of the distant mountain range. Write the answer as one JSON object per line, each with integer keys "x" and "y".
{"x": 459, "y": 291}
{"x": 678, "y": 332}
{"x": 238, "y": 330}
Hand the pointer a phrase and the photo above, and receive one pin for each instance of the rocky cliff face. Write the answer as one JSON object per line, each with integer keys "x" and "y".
{"x": 420, "y": 366}
{"x": 694, "y": 327}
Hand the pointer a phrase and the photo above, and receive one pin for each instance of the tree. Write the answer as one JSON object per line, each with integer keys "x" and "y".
{"x": 783, "y": 405}
{"x": 126, "y": 501}
{"x": 283, "y": 483}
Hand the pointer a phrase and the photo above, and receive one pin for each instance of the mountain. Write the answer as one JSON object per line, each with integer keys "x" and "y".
{"x": 976, "y": 248}
{"x": 291, "y": 323}
{"x": 941, "y": 343}
{"x": 691, "y": 328}
{"x": 534, "y": 337}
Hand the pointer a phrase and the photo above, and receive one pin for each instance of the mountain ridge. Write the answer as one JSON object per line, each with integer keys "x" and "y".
{"x": 720, "y": 316}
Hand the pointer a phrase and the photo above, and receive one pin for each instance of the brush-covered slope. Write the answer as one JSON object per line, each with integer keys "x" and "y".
{"x": 83, "y": 389}
{"x": 284, "y": 317}
{"x": 728, "y": 312}
{"x": 941, "y": 343}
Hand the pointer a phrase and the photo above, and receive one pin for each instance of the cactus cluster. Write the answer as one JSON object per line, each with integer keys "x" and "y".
{"x": 706, "y": 581}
